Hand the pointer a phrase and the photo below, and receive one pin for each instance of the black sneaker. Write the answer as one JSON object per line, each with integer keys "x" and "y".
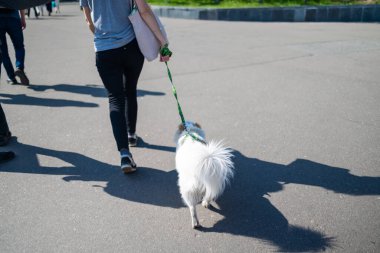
{"x": 132, "y": 140}
{"x": 128, "y": 165}
{"x": 23, "y": 78}
{"x": 12, "y": 81}
{"x": 4, "y": 138}
{"x": 6, "y": 156}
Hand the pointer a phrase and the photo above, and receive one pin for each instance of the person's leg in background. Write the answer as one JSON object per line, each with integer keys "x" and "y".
{"x": 14, "y": 30}
{"x": 4, "y": 49}
{"x": 36, "y": 11}
{"x": 41, "y": 7}
{"x": 49, "y": 8}
{"x": 57, "y": 10}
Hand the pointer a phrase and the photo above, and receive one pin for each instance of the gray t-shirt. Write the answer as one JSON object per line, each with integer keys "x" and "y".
{"x": 112, "y": 26}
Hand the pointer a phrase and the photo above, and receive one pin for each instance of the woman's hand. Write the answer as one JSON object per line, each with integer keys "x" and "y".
{"x": 23, "y": 22}
{"x": 165, "y": 53}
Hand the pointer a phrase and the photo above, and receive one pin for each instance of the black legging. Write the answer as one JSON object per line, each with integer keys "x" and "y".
{"x": 119, "y": 70}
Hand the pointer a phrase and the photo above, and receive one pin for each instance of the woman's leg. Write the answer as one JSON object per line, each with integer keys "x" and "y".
{"x": 110, "y": 69}
{"x": 133, "y": 63}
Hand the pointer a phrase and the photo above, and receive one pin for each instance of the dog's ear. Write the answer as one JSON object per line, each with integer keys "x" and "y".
{"x": 181, "y": 128}
{"x": 197, "y": 125}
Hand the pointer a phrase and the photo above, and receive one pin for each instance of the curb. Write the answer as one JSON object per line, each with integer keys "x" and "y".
{"x": 352, "y": 13}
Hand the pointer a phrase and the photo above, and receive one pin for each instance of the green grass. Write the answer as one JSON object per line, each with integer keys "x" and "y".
{"x": 256, "y": 3}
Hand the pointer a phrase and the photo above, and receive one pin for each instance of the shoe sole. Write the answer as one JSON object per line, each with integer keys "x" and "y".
{"x": 12, "y": 83}
{"x": 23, "y": 78}
{"x": 128, "y": 170}
{"x": 132, "y": 144}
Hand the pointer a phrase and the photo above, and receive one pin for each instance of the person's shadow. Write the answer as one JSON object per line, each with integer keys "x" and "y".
{"x": 148, "y": 186}
{"x": 87, "y": 89}
{"x": 23, "y": 99}
{"x": 245, "y": 209}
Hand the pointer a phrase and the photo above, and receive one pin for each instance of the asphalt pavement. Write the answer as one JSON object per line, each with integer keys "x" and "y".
{"x": 298, "y": 102}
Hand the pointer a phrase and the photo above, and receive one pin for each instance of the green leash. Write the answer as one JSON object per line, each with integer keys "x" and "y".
{"x": 166, "y": 52}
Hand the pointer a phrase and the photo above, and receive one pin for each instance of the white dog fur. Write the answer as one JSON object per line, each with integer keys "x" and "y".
{"x": 203, "y": 169}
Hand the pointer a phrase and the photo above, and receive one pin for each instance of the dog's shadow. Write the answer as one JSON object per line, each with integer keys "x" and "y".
{"x": 247, "y": 212}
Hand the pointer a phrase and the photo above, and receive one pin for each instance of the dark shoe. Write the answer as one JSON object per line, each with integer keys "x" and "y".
{"x": 6, "y": 156}
{"x": 127, "y": 164}
{"x": 132, "y": 140}
{"x": 4, "y": 138}
{"x": 23, "y": 78}
{"x": 12, "y": 81}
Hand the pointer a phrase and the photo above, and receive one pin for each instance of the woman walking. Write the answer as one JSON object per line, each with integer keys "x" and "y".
{"x": 119, "y": 62}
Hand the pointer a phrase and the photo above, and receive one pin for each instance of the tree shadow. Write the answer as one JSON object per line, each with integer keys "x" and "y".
{"x": 248, "y": 213}
{"x": 87, "y": 89}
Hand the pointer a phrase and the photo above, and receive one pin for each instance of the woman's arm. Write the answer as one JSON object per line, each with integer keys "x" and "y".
{"x": 148, "y": 17}
{"x": 22, "y": 16}
{"x": 87, "y": 14}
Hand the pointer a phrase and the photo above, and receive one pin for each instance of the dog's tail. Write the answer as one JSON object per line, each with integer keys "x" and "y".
{"x": 215, "y": 169}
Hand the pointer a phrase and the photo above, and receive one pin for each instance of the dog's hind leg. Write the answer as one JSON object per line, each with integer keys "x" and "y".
{"x": 194, "y": 218}
{"x": 191, "y": 200}
{"x": 207, "y": 198}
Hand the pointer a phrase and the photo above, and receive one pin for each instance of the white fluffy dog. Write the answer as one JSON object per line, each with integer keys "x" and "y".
{"x": 203, "y": 168}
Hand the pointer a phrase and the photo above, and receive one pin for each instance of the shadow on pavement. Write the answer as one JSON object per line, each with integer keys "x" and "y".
{"x": 149, "y": 186}
{"x": 247, "y": 212}
{"x": 88, "y": 89}
{"x": 23, "y": 99}
{"x": 245, "y": 209}
{"x": 143, "y": 144}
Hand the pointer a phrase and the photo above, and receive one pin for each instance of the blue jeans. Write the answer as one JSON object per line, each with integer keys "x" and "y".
{"x": 12, "y": 26}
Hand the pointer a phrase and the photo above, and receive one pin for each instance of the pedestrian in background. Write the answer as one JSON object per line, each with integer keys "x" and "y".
{"x": 12, "y": 22}
{"x": 36, "y": 12}
{"x": 56, "y": 6}
{"x": 119, "y": 62}
{"x": 49, "y": 8}
{"x": 5, "y": 134}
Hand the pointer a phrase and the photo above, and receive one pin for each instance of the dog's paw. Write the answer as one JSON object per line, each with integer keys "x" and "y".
{"x": 196, "y": 226}
{"x": 205, "y": 204}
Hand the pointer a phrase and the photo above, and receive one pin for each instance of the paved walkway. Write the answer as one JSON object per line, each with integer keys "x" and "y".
{"x": 298, "y": 102}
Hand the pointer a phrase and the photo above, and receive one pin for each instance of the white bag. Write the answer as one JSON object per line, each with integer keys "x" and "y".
{"x": 148, "y": 44}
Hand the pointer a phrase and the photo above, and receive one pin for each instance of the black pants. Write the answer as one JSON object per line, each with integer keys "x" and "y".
{"x": 3, "y": 123}
{"x": 119, "y": 70}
